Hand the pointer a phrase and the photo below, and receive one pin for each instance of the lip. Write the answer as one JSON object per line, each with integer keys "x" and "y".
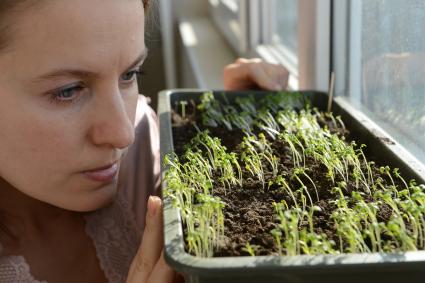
{"x": 103, "y": 174}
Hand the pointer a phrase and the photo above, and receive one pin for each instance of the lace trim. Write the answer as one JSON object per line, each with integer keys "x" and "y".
{"x": 15, "y": 269}
{"x": 116, "y": 238}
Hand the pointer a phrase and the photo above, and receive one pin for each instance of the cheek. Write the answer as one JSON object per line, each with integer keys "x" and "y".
{"x": 40, "y": 159}
{"x": 40, "y": 139}
{"x": 32, "y": 137}
{"x": 35, "y": 150}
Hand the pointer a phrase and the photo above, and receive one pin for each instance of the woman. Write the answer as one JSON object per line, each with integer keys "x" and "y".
{"x": 78, "y": 145}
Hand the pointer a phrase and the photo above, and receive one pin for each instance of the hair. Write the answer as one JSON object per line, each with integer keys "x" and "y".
{"x": 9, "y": 8}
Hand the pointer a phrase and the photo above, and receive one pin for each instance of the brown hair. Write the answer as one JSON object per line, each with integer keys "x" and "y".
{"x": 10, "y": 7}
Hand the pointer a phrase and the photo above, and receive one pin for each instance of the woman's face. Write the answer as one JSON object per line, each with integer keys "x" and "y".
{"x": 68, "y": 96}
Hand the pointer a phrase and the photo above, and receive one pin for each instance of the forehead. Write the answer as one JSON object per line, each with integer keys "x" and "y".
{"x": 85, "y": 32}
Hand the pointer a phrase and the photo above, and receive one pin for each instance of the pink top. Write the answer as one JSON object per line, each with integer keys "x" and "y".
{"x": 116, "y": 229}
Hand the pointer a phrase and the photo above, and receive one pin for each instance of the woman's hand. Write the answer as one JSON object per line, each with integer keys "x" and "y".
{"x": 253, "y": 73}
{"x": 149, "y": 265}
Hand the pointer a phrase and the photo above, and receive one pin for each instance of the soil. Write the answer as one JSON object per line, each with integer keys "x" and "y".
{"x": 249, "y": 214}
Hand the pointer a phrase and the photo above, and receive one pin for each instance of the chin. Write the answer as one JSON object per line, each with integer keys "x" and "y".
{"x": 100, "y": 197}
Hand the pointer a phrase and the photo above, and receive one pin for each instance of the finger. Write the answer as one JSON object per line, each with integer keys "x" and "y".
{"x": 245, "y": 60}
{"x": 284, "y": 77}
{"x": 259, "y": 75}
{"x": 236, "y": 76}
{"x": 150, "y": 250}
{"x": 162, "y": 273}
{"x": 278, "y": 74}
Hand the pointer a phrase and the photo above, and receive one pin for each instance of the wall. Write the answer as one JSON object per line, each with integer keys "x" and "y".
{"x": 154, "y": 79}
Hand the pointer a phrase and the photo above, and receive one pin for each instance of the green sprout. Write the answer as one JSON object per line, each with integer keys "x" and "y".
{"x": 183, "y": 104}
{"x": 250, "y": 249}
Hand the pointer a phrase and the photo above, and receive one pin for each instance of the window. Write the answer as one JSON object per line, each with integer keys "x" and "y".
{"x": 377, "y": 50}
{"x": 284, "y": 22}
{"x": 386, "y": 70}
{"x": 279, "y": 23}
{"x": 307, "y": 57}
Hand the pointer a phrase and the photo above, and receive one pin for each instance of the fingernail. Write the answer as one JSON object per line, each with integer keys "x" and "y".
{"x": 153, "y": 205}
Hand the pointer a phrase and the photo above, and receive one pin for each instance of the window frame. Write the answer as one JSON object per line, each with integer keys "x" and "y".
{"x": 268, "y": 27}
{"x": 347, "y": 64}
{"x": 312, "y": 69}
{"x": 331, "y": 41}
{"x": 224, "y": 15}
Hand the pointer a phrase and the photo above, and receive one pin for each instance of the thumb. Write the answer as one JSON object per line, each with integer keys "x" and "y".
{"x": 150, "y": 250}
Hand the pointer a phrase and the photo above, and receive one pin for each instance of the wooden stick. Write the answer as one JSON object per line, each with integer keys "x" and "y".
{"x": 331, "y": 91}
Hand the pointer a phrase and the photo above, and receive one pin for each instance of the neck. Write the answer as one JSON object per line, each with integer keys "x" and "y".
{"x": 21, "y": 214}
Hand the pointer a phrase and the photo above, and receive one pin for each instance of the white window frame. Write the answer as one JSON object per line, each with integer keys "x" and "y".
{"x": 314, "y": 44}
{"x": 232, "y": 22}
{"x": 267, "y": 50}
{"x": 268, "y": 26}
{"x": 311, "y": 68}
{"x": 347, "y": 38}
{"x": 340, "y": 46}
{"x": 347, "y": 58}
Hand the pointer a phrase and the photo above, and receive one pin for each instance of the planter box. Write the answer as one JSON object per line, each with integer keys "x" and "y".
{"x": 371, "y": 267}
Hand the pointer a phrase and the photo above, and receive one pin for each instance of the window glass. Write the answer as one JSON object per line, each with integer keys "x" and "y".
{"x": 285, "y": 31}
{"x": 393, "y": 69}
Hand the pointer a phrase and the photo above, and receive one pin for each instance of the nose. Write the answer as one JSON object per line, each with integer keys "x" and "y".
{"x": 113, "y": 125}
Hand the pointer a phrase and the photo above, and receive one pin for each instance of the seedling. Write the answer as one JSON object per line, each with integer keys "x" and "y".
{"x": 295, "y": 152}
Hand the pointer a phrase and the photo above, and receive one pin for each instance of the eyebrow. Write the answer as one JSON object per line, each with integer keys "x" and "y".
{"x": 83, "y": 73}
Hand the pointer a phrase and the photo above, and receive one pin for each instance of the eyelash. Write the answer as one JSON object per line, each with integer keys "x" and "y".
{"x": 134, "y": 74}
{"x": 78, "y": 87}
{"x": 54, "y": 96}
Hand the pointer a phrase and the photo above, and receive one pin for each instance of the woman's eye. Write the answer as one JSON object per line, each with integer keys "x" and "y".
{"x": 130, "y": 76}
{"x": 67, "y": 94}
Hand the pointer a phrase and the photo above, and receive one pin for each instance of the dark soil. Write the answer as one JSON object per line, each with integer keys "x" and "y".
{"x": 249, "y": 214}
